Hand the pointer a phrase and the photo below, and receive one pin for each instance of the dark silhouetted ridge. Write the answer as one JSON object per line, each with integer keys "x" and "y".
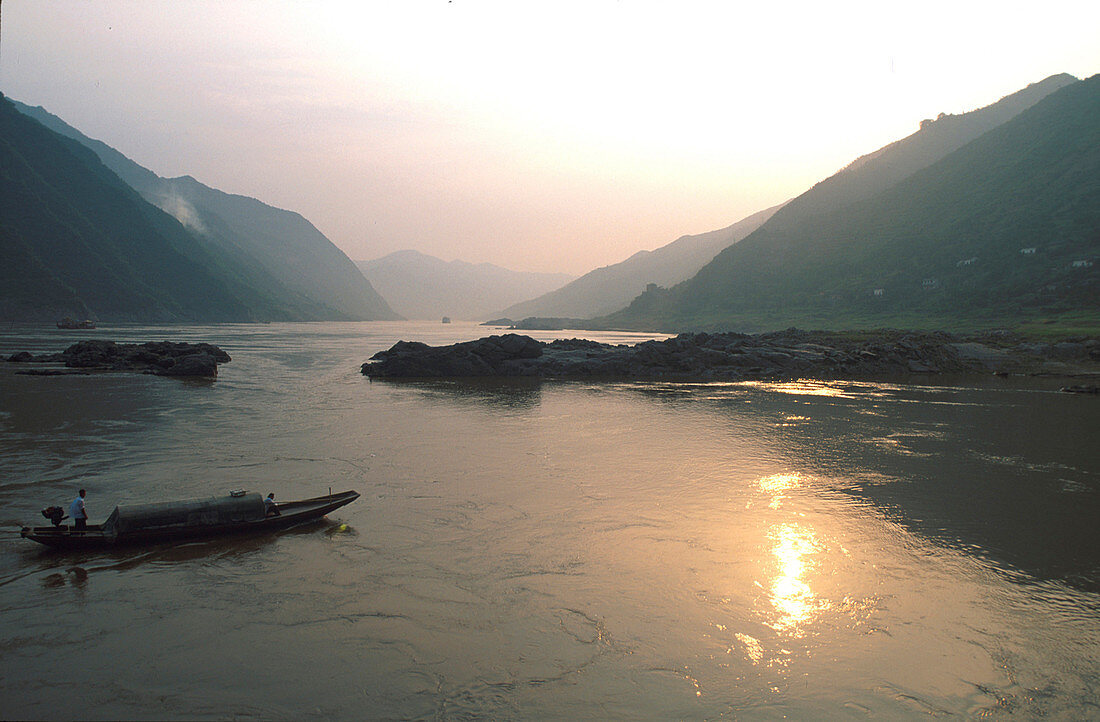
{"x": 1005, "y": 227}
{"x": 77, "y": 241}
{"x": 291, "y": 270}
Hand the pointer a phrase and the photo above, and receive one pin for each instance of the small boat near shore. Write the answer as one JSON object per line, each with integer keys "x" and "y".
{"x": 235, "y": 513}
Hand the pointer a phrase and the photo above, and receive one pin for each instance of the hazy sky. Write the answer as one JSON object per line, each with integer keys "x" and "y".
{"x": 546, "y": 136}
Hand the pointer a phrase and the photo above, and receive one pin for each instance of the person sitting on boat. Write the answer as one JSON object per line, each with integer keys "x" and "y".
{"x": 270, "y": 507}
{"x": 78, "y": 513}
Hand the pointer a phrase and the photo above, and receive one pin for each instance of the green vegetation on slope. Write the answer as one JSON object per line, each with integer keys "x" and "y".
{"x": 1002, "y": 231}
{"x": 75, "y": 240}
{"x": 277, "y": 254}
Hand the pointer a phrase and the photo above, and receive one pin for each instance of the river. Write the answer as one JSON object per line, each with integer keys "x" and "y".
{"x": 550, "y": 550}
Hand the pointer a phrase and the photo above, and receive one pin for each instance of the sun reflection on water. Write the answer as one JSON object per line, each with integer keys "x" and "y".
{"x": 754, "y": 650}
{"x": 793, "y": 548}
{"x": 776, "y": 484}
{"x": 791, "y": 594}
{"x": 806, "y": 387}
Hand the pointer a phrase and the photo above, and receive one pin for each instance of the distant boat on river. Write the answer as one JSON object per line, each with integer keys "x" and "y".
{"x": 236, "y": 513}
{"x": 69, "y": 323}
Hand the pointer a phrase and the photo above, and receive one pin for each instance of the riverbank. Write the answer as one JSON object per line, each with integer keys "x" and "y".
{"x": 733, "y": 356}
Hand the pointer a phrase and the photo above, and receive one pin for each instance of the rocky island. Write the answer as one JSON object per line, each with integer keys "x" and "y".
{"x": 734, "y": 356}
{"x": 162, "y": 358}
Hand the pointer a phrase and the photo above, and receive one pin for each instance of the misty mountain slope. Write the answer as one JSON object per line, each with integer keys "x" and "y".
{"x": 75, "y": 240}
{"x": 421, "y": 286}
{"x": 611, "y": 287}
{"x": 1004, "y": 227}
{"x": 271, "y": 249}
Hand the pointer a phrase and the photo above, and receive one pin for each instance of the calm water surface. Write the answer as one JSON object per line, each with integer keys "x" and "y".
{"x": 555, "y": 550}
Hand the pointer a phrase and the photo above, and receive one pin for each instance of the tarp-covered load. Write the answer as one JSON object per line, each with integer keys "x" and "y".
{"x": 137, "y": 518}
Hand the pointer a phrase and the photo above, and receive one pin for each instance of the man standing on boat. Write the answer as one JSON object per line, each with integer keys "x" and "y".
{"x": 78, "y": 513}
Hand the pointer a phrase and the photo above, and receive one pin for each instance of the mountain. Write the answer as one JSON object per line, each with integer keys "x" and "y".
{"x": 424, "y": 287}
{"x": 611, "y": 287}
{"x": 1004, "y": 228}
{"x": 608, "y": 289}
{"x": 272, "y": 250}
{"x": 871, "y": 173}
{"x": 77, "y": 241}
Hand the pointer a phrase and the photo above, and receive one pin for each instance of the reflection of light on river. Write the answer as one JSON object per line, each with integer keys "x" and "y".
{"x": 806, "y": 388}
{"x": 791, "y": 594}
{"x": 753, "y": 649}
{"x": 793, "y": 546}
{"x": 776, "y": 484}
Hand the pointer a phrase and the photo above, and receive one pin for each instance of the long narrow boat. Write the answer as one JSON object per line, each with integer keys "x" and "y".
{"x": 236, "y": 513}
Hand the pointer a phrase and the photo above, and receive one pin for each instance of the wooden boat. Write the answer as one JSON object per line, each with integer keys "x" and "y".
{"x": 236, "y": 513}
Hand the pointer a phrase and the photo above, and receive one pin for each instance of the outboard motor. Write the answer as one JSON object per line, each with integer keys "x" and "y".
{"x": 54, "y": 514}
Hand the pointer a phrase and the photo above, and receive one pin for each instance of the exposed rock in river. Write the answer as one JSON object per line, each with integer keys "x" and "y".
{"x": 508, "y": 355}
{"x": 163, "y": 358}
{"x": 730, "y": 356}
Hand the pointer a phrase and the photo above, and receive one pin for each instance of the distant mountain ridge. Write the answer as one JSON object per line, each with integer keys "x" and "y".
{"x": 275, "y": 251}
{"x": 424, "y": 287}
{"x": 1002, "y": 227}
{"x": 609, "y": 288}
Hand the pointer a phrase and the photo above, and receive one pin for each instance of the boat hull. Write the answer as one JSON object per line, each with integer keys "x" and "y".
{"x": 95, "y": 537}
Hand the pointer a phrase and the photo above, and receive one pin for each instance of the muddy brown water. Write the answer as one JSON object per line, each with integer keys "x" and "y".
{"x": 551, "y": 550}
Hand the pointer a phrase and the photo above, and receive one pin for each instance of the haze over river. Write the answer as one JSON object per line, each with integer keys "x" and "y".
{"x": 553, "y": 550}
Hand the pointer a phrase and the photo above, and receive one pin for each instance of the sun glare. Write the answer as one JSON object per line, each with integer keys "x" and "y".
{"x": 791, "y": 595}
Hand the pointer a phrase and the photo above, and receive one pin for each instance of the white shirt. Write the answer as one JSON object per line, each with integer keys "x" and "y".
{"x": 76, "y": 509}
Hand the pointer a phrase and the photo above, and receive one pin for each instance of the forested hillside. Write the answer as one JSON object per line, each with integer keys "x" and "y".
{"x": 277, "y": 253}
{"x": 1005, "y": 228}
{"x": 77, "y": 241}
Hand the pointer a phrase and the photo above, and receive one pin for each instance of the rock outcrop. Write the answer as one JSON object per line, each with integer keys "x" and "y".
{"x": 162, "y": 358}
{"x": 508, "y": 355}
{"x": 721, "y": 356}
